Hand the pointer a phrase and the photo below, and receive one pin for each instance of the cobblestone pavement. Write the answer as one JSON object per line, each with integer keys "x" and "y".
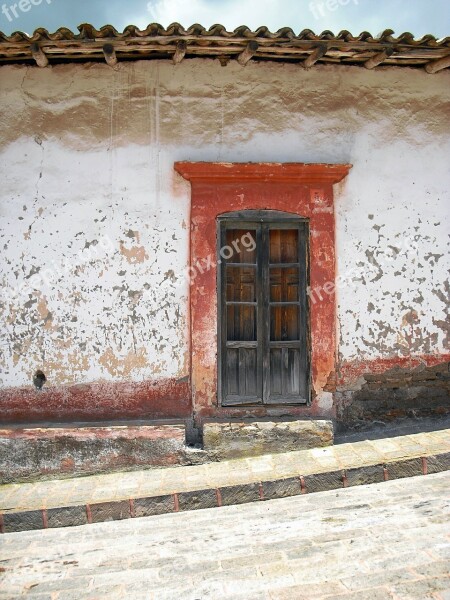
{"x": 389, "y": 540}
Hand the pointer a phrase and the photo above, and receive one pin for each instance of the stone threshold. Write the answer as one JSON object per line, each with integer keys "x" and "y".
{"x": 115, "y": 496}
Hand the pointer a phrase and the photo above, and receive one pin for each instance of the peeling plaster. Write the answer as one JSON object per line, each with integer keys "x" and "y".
{"x": 70, "y": 295}
{"x": 136, "y": 254}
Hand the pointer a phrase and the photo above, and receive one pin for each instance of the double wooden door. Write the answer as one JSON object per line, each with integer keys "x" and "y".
{"x": 263, "y": 320}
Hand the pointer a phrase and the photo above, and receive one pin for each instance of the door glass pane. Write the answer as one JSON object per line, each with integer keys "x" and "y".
{"x": 284, "y": 284}
{"x": 284, "y": 323}
{"x": 283, "y": 245}
{"x": 241, "y": 323}
{"x": 240, "y": 246}
{"x": 241, "y": 284}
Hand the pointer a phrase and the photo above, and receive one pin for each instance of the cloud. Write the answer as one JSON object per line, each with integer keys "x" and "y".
{"x": 231, "y": 14}
{"x": 354, "y": 15}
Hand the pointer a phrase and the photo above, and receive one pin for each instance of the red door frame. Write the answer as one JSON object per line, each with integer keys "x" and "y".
{"x": 299, "y": 188}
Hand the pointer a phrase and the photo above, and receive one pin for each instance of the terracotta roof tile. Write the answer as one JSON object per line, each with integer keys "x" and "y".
{"x": 284, "y": 45}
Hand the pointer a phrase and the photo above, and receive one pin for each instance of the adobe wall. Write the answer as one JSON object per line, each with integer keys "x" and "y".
{"x": 94, "y": 226}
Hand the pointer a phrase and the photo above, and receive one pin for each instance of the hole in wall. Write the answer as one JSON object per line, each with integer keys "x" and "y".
{"x": 39, "y": 379}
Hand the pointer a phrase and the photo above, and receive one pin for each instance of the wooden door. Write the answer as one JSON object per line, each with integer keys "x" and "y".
{"x": 263, "y": 321}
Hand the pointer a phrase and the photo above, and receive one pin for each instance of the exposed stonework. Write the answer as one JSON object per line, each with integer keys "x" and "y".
{"x": 396, "y": 393}
{"x": 223, "y": 441}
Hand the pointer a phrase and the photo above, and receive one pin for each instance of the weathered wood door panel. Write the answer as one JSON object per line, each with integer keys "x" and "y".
{"x": 263, "y": 332}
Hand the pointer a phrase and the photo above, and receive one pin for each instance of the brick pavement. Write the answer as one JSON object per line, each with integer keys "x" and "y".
{"x": 116, "y": 496}
{"x": 378, "y": 541}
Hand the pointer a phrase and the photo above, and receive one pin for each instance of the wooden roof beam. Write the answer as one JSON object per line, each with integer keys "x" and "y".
{"x": 179, "y": 52}
{"x": 377, "y": 59}
{"x": 246, "y": 55}
{"x": 437, "y": 65}
{"x": 315, "y": 56}
{"x": 110, "y": 55}
{"x": 39, "y": 55}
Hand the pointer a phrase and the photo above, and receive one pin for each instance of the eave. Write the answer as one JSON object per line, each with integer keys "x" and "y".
{"x": 176, "y": 43}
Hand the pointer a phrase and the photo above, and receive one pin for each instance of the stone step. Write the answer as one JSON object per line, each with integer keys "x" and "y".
{"x": 230, "y": 439}
{"x": 113, "y": 496}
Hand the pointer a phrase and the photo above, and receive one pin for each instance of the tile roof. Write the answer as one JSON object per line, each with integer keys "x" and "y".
{"x": 175, "y": 42}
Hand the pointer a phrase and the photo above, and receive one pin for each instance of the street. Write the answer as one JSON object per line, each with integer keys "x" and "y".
{"x": 387, "y": 540}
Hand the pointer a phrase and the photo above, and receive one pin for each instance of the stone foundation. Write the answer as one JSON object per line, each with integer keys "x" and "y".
{"x": 33, "y": 453}
{"x": 394, "y": 394}
{"x": 36, "y": 453}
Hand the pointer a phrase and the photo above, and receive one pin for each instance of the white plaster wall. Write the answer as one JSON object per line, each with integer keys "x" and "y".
{"x": 104, "y": 301}
{"x": 87, "y": 154}
{"x": 392, "y": 243}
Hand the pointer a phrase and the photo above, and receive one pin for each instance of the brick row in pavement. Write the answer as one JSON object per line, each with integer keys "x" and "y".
{"x": 118, "y": 496}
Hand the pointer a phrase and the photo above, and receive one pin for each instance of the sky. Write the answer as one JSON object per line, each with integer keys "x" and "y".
{"x": 417, "y": 16}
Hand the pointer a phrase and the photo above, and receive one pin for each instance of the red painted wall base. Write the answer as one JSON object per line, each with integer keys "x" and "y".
{"x": 169, "y": 398}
